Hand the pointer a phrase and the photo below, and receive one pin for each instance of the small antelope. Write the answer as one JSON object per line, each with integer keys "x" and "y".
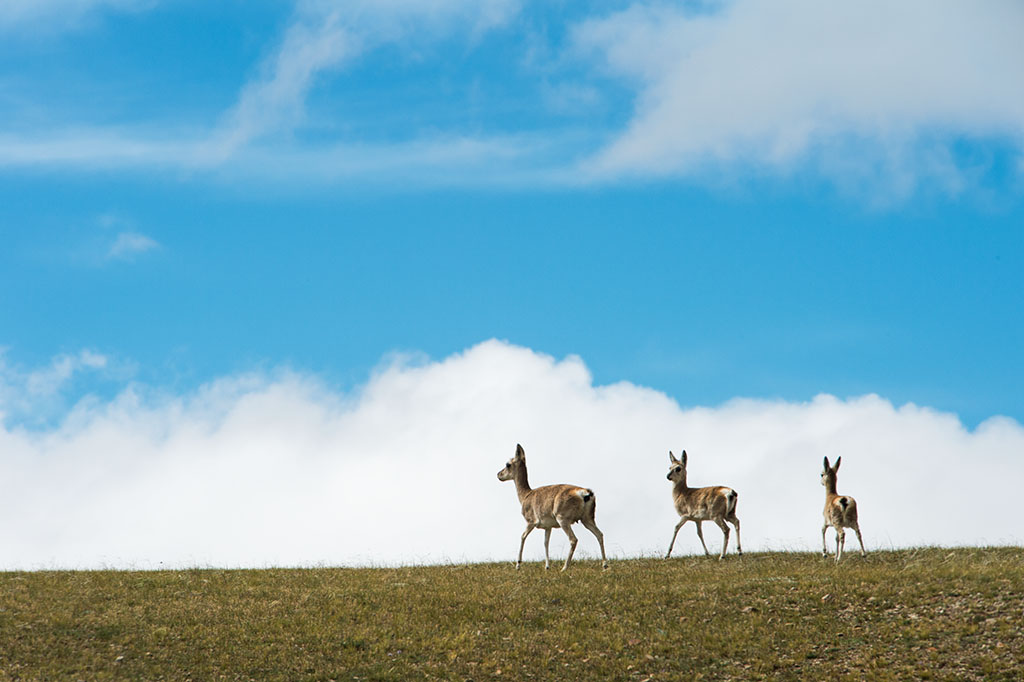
{"x": 840, "y": 512}
{"x": 552, "y": 506}
{"x": 715, "y": 503}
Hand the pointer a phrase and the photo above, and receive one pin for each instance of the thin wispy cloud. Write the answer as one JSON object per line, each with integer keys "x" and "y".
{"x": 275, "y": 101}
{"x": 322, "y": 36}
{"x": 101, "y": 148}
{"x": 279, "y": 469}
{"x": 50, "y": 16}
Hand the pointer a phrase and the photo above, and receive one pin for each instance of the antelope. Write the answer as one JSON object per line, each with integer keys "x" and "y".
{"x": 552, "y": 506}
{"x": 715, "y": 503}
{"x": 840, "y": 512}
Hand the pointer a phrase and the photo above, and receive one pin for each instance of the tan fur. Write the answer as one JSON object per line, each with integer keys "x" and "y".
{"x": 702, "y": 504}
{"x": 552, "y": 506}
{"x": 840, "y": 512}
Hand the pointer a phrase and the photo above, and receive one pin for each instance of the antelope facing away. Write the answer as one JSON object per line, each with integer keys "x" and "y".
{"x": 715, "y": 503}
{"x": 840, "y": 512}
{"x": 552, "y": 506}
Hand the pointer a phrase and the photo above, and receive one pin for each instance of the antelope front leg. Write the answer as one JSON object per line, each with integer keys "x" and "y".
{"x": 529, "y": 528}
{"x": 824, "y": 547}
{"x": 672, "y": 544}
{"x": 567, "y": 527}
{"x": 547, "y": 557}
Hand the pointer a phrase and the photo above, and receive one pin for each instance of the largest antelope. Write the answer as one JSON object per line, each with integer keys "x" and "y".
{"x": 840, "y": 512}
{"x": 715, "y": 503}
{"x": 552, "y": 506}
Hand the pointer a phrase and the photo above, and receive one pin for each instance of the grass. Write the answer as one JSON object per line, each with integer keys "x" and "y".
{"x": 917, "y": 614}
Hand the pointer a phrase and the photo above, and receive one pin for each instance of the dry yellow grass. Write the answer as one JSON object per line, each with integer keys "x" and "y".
{"x": 947, "y": 614}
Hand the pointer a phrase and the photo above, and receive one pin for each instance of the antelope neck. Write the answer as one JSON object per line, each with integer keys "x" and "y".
{"x": 522, "y": 483}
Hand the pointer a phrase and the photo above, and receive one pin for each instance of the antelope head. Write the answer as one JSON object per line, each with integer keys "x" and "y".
{"x": 677, "y": 467}
{"x": 828, "y": 475}
{"x": 512, "y": 466}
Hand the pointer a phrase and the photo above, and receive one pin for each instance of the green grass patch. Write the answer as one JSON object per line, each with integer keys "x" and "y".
{"x": 940, "y": 614}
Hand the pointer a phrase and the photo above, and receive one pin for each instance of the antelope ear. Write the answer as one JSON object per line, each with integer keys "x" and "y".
{"x": 838, "y": 460}
{"x": 672, "y": 458}
{"x": 683, "y": 458}
{"x": 520, "y": 453}
{"x": 827, "y": 467}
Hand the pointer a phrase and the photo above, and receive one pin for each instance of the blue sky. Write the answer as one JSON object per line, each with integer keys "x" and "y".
{"x": 318, "y": 185}
{"x": 759, "y": 229}
{"x": 706, "y": 298}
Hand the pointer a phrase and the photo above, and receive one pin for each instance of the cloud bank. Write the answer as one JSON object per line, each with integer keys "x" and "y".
{"x": 279, "y": 469}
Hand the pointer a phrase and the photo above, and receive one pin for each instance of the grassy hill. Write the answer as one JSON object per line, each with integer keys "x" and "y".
{"x": 915, "y": 614}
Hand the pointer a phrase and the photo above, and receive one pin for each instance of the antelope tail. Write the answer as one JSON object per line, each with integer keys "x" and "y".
{"x": 731, "y": 498}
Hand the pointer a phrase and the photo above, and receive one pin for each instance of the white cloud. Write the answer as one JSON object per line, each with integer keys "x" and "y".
{"x": 771, "y": 84}
{"x": 127, "y": 245}
{"x": 269, "y": 470}
{"x": 49, "y": 381}
{"x": 38, "y": 393}
{"x": 874, "y": 96}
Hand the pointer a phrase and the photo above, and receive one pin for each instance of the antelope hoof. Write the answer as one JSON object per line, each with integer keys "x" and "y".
{"x": 604, "y": 565}
{"x": 517, "y": 565}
